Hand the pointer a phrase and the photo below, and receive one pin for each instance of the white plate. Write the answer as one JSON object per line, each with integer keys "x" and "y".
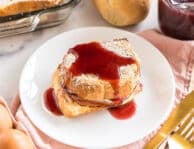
{"x": 100, "y": 129}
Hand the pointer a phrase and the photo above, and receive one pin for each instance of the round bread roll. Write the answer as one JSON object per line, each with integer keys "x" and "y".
{"x": 15, "y": 139}
{"x": 123, "y": 12}
{"x": 5, "y": 119}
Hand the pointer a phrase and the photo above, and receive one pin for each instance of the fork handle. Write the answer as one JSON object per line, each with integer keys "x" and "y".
{"x": 180, "y": 141}
{"x": 176, "y": 116}
{"x": 156, "y": 141}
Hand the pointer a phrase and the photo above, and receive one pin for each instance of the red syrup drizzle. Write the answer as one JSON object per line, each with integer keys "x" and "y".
{"x": 124, "y": 111}
{"x": 117, "y": 101}
{"x": 50, "y": 102}
{"x": 92, "y": 58}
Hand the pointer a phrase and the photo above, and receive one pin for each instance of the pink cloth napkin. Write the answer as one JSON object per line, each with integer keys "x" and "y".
{"x": 180, "y": 55}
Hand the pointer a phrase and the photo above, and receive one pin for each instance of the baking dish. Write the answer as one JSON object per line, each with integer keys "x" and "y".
{"x": 31, "y": 21}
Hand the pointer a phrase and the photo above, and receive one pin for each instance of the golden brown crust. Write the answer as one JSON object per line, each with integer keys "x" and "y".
{"x": 21, "y": 6}
{"x": 123, "y": 12}
{"x": 90, "y": 87}
{"x": 78, "y": 95}
{"x": 69, "y": 107}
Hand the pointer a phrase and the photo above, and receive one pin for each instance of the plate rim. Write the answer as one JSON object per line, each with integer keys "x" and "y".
{"x": 164, "y": 117}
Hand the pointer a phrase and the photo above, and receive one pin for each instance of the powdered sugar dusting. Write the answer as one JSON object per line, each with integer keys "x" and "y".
{"x": 123, "y": 48}
{"x": 126, "y": 71}
{"x": 85, "y": 79}
{"x": 120, "y": 46}
{"x": 68, "y": 60}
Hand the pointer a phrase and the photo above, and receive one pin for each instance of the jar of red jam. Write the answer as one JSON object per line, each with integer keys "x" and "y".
{"x": 176, "y": 18}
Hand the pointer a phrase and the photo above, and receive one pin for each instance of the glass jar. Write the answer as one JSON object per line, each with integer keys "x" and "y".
{"x": 176, "y": 18}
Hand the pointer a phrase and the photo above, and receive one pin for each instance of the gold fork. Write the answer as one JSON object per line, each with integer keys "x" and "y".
{"x": 180, "y": 116}
{"x": 184, "y": 136}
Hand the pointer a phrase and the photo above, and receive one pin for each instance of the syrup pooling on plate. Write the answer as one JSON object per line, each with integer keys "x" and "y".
{"x": 50, "y": 102}
{"x": 93, "y": 58}
{"x": 117, "y": 101}
{"x": 124, "y": 111}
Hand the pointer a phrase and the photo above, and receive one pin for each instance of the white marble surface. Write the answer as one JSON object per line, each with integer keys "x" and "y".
{"x": 85, "y": 14}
